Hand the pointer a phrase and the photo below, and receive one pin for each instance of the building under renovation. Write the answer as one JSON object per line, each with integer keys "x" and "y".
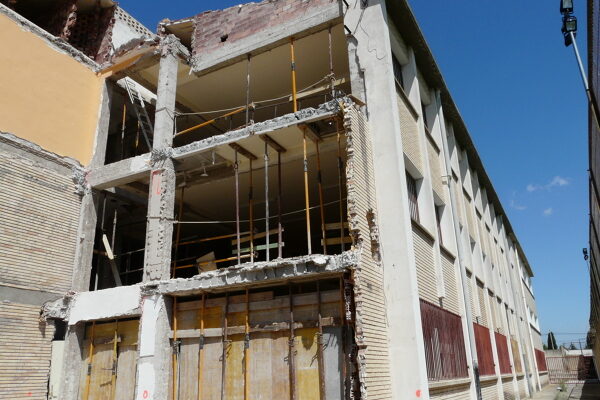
{"x": 278, "y": 200}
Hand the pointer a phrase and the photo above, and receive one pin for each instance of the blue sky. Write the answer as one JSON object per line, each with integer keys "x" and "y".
{"x": 520, "y": 94}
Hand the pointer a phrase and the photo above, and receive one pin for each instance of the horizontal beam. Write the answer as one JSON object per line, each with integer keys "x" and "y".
{"x": 120, "y": 172}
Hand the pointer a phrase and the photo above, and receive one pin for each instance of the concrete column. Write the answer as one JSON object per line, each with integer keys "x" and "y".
{"x": 371, "y": 37}
{"x": 84, "y": 250}
{"x": 161, "y": 197}
{"x": 154, "y": 365}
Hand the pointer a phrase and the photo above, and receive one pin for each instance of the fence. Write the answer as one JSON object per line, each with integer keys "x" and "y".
{"x": 503, "y": 356}
{"x": 483, "y": 343}
{"x": 540, "y": 359}
{"x": 570, "y": 369}
{"x": 445, "y": 354}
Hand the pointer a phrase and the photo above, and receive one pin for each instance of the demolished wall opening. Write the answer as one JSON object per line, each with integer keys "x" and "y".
{"x": 130, "y": 133}
{"x": 120, "y": 237}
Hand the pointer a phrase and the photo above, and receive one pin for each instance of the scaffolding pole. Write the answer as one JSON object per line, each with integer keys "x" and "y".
{"x": 201, "y": 349}
{"x": 320, "y": 355}
{"x": 321, "y": 206}
{"x": 247, "y": 348}
{"x": 279, "y": 227}
{"x": 225, "y": 345}
{"x": 293, "y": 66}
{"x": 175, "y": 358}
{"x": 251, "y": 212}
{"x": 306, "y": 191}
{"x": 86, "y": 390}
{"x": 113, "y": 378}
{"x": 291, "y": 344}
{"x": 267, "y": 254}
{"x": 123, "y": 130}
{"x": 236, "y": 168}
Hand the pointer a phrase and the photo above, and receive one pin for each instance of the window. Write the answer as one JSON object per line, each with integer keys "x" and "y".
{"x": 424, "y": 114}
{"x": 398, "y": 72}
{"x": 413, "y": 203}
{"x": 438, "y": 220}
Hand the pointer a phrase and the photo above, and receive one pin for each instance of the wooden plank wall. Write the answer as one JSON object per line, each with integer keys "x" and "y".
{"x": 25, "y": 348}
{"x": 201, "y": 368}
{"x": 371, "y": 325}
{"x": 101, "y": 385}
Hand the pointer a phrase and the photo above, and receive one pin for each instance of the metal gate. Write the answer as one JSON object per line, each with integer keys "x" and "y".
{"x": 571, "y": 369}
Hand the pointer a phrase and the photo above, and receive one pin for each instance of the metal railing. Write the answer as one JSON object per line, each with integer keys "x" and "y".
{"x": 445, "y": 354}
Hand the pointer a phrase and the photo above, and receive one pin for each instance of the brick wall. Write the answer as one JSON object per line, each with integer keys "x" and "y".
{"x": 239, "y": 22}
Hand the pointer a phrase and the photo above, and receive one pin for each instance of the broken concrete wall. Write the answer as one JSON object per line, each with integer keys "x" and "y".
{"x": 371, "y": 326}
{"x": 38, "y": 230}
{"x": 225, "y": 34}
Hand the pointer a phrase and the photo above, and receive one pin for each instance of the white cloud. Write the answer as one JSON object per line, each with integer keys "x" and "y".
{"x": 548, "y": 211}
{"x": 515, "y": 205}
{"x": 556, "y": 181}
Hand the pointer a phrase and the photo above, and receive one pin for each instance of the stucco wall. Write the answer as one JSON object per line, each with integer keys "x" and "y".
{"x": 48, "y": 97}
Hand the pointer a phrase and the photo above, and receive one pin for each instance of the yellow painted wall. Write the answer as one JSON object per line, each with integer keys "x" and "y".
{"x": 46, "y": 97}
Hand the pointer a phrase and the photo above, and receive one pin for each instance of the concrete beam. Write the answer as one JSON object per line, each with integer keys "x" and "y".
{"x": 120, "y": 172}
{"x": 131, "y": 169}
{"x": 256, "y": 273}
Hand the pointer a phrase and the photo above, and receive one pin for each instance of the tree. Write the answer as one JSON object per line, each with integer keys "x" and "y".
{"x": 572, "y": 347}
{"x": 552, "y": 342}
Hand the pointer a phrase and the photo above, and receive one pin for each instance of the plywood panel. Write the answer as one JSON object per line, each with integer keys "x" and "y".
{"x": 307, "y": 365}
{"x": 126, "y": 372}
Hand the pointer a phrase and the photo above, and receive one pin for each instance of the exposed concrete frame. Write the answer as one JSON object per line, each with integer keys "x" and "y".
{"x": 132, "y": 169}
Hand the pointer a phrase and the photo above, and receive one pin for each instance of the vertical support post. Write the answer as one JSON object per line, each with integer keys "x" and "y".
{"x": 279, "y": 228}
{"x": 291, "y": 352}
{"x": 201, "y": 349}
{"x": 251, "y": 212}
{"x": 331, "y": 73}
{"x": 236, "y": 169}
{"x": 320, "y": 356}
{"x": 86, "y": 390}
{"x": 321, "y": 206}
{"x": 306, "y": 192}
{"x": 267, "y": 250}
{"x": 153, "y": 373}
{"x": 161, "y": 200}
{"x": 343, "y": 345}
{"x": 113, "y": 377}
{"x": 248, "y": 91}
{"x": 247, "y": 348}
{"x": 225, "y": 345}
{"x": 123, "y": 130}
{"x": 293, "y": 65}
{"x": 175, "y": 357}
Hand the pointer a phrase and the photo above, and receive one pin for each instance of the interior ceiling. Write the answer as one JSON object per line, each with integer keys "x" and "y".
{"x": 270, "y": 75}
{"x": 214, "y": 199}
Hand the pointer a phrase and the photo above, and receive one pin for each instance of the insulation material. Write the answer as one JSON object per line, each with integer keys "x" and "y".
{"x": 426, "y": 278}
{"x": 112, "y": 367}
{"x": 201, "y": 334}
{"x": 451, "y": 301}
{"x": 433, "y": 154}
{"x": 409, "y": 130}
{"x": 25, "y": 350}
{"x": 371, "y": 326}
{"x": 40, "y": 214}
{"x": 489, "y": 390}
{"x": 451, "y": 393}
